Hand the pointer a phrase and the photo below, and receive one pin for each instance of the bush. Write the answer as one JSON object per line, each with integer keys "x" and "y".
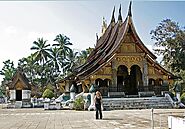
{"x": 183, "y": 98}
{"x": 79, "y": 103}
{"x": 48, "y": 94}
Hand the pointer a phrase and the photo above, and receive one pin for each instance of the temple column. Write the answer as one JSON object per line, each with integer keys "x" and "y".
{"x": 129, "y": 71}
{"x": 114, "y": 74}
{"x": 67, "y": 86}
{"x": 145, "y": 73}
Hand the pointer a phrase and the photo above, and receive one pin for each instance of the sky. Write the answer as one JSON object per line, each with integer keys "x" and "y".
{"x": 22, "y": 22}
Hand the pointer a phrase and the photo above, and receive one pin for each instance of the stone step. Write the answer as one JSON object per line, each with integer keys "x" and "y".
{"x": 18, "y": 104}
{"x": 136, "y": 103}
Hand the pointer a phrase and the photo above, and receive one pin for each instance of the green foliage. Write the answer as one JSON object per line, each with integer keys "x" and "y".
{"x": 83, "y": 55}
{"x": 183, "y": 98}
{"x": 50, "y": 87}
{"x": 7, "y": 71}
{"x": 47, "y": 64}
{"x": 48, "y": 94}
{"x": 170, "y": 40}
{"x": 79, "y": 103}
{"x": 1, "y": 93}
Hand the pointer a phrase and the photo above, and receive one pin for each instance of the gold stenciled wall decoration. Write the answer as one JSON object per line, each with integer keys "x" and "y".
{"x": 105, "y": 70}
{"x": 127, "y": 47}
{"x": 19, "y": 85}
{"x": 128, "y": 61}
{"x": 151, "y": 71}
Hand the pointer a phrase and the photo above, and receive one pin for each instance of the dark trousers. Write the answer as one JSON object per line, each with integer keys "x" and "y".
{"x": 98, "y": 109}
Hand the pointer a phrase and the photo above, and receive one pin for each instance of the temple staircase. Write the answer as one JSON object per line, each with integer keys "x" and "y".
{"x": 137, "y": 103}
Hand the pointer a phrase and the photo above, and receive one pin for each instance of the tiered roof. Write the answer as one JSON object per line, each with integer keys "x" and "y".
{"x": 109, "y": 43}
{"x": 20, "y": 76}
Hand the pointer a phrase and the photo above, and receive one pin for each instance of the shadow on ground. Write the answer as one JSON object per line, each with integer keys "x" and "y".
{"x": 112, "y": 119}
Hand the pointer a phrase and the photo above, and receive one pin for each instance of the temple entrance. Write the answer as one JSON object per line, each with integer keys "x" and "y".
{"x": 135, "y": 79}
{"x": 129, "y": 83}
{"x": 103, "y": 86}
{"x": 18, "y": 95}
{"x": 122, "y": 78}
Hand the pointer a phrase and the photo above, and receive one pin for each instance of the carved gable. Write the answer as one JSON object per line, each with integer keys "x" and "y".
{"x": 19, "y": 82}
{"x": 19, "y": 85}
{"x": 129, "y": 45}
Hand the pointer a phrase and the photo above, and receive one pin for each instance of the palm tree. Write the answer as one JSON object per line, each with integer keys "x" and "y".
{"x": 70, "y": 63}
{"x": 41, "y": 54}
{"x": 28, "y": 66}
{"x": 55, "y": 59}
{"x": 62, "y": 44}
{"x": 42, "y": 50}
{"x": 84, "y": 55}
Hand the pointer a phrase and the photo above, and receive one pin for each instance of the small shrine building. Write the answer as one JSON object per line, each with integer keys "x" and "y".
{"x": 20, "y": 90}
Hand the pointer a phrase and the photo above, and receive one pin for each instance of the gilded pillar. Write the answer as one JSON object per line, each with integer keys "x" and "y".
{"x": 83, "y": 86}
{"x": 145, "y": 73}
{"x": 67, "y": 86}
{"x": 114, "y": 74}
{"x": 129, "y": 71}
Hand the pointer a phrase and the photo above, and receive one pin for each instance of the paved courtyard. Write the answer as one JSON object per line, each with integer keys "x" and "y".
{"x": 70, "y": 119}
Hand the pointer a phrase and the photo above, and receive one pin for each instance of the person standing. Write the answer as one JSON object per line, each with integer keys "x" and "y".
{"x": 98, "y": 104}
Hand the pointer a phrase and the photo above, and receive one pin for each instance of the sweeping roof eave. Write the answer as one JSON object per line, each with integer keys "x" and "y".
{"x": 138, "y": 40}
{"x": 109, "y": 56}
{"x": 22, "y": 77}
{"x": 82, "y": 77}
{"x": 100, "y": 44}
{"x": 158, "y": 66}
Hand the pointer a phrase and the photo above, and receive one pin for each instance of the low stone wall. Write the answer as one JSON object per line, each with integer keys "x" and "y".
{"x": 146, "y": 94}
{"x": 52, "y": 105}
{"x": 116, "y": 94}
{"x": 176, "y": 122}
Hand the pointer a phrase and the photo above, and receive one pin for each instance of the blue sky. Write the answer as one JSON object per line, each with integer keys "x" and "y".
{"x": 22, "y": 22}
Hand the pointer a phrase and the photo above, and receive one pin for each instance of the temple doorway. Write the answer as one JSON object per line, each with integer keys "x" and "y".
{"x": 129, "y": 83}
{"x": 122, "y": 78}
{"x": 135, "y": 79}
{"x": 18, "y": 95}
{"x": 103, "y": 86}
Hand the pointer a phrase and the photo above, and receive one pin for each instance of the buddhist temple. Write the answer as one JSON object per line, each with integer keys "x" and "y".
{"x": 121, "y": 63}
{"x": 20, "y": 90}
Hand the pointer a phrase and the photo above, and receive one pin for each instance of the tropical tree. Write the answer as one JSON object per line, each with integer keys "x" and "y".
{"x": 41, "y": 55}
{"x": 63, "y": 45}
{"x": 70, "y": 63}
{"x": 28, "y": 66}
{"x": 170, "y": 41}
{"x": 42, "y": 50}
{"x": 84, "y": 54}
{"x": 55, "y": 61}
{"x": 8, "y": 70}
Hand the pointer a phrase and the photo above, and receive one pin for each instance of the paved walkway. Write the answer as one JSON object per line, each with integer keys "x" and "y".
{"x": 70, "y": 119}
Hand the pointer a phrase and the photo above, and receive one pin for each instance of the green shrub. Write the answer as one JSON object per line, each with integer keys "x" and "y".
{"x": 183, "y": 98}
{"x": 79, "y": 103}
{"x": 49, "y": 86}
{"x": 48, "y": 94}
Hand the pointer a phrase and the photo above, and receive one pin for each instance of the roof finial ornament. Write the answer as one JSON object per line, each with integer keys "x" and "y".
{"x": 113, "y": 18}
{"x": 104, "y": 26}
{"x": 119, "y": 16}
{"x": 129, "y": 11}
{"x": 97, "y": 37}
